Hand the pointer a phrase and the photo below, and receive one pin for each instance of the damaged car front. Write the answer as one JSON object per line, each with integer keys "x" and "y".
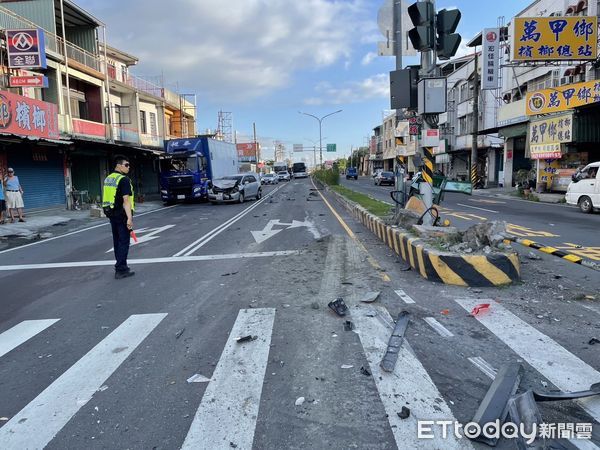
{"x": 226, "y": 189}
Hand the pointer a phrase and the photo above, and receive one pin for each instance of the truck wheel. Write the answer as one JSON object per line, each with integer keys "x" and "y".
{"x": 585, "y": 204}
{"x": 241, "y": 198}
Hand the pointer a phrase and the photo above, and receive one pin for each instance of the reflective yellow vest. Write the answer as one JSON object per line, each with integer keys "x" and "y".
{"x": 109, "y": 192}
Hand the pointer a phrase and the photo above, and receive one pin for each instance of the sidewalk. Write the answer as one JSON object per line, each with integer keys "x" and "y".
{"x": 511, "y": 193}
{"x": 48, "y": 222}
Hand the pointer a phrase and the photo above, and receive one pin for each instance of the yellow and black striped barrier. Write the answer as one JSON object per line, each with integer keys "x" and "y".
{"x": 428, "y": 168}
{"x": 449, "y": 268}
{"x": 556, "y": 252}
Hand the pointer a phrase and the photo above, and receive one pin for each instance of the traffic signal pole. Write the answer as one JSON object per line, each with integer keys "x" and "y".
{"x": 474, "y": 153}
{"x": 398, "y": 40}
{"x": 428, "y": 69}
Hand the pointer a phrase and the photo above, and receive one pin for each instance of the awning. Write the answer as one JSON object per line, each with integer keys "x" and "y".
{"x": 513, "y": 131}
{"x": 15, "y": 138}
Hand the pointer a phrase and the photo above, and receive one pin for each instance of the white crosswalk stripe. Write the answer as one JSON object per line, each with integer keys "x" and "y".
{"x": 39, "y": 422}
{"x": 398, "y": 388}
{"x": 21, "y": 333}
{"x": 229, "y": 408}
{"x": 557, "y": 364}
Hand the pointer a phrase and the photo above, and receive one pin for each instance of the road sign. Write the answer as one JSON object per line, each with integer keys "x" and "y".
{"x": 38, "y": 81}
{"x": 298, "y": 148}
{"x": 332, "y": 147}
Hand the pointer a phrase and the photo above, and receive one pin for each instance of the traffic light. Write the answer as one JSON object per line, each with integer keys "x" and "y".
{"x": 422, "y": 16}
{"x": 447, "y": 40}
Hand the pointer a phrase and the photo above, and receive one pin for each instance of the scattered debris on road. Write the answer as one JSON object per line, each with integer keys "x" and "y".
{"x": 248, "y": 338}
{"x": 197, "y": 378}
{"x": 300, "y": 401}
{"x": 314, "y": 305}
{"x": 533, "y": 256}
{"x": 347, "y": 366}
{"x": 405, "y": 413}
{"x": 365, "y": 372}
{"x": 445, "y": 312}
{"x": 391, "y": 354}
{"x": 483, "y": 307}
{"x": 525, "y": 414}
{"x": 228, "y": 274}
{"x": 338, "y": 306}
{"x": 370, "y": 297}
{"x": 179, "y": 333}
{"x": 553, "y": 396}
{"x": 348, "y": 325}
{"x": 593, "y": 341}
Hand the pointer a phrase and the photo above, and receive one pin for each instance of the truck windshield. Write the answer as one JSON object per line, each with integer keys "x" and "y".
{"x": 185, "y": 164}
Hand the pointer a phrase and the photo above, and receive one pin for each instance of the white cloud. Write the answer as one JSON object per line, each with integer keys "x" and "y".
{"x": 376, "y": 86}
{"x": 368, "y": 58}
{"x": 232, "y": 50}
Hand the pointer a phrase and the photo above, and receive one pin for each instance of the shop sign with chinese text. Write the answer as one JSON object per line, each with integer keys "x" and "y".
{"x": 555, "y": 38}
{"x": 26, "y": 48}
{"x": 546, "y": 136}
{"x": 563, "y": 98}
{"x": 491, "y": 63}
{"x": 27, "y": 117}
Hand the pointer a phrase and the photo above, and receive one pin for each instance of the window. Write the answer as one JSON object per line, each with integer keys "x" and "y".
{"x": 251, "y": 179}
{"x": 143, "y": 125}
{"x": 463, "y": 92}
{"x": 153, "y": 130}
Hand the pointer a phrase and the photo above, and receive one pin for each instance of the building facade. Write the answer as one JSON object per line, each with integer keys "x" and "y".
{"x": 94, "y": 109}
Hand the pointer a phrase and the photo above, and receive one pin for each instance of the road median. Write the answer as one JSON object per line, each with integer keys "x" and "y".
{"x": 452, "y": 268}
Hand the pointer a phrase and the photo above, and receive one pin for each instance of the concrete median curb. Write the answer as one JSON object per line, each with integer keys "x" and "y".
{"x": 496, "y": 269}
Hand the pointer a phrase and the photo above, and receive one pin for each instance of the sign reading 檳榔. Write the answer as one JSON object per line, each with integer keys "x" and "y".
{"x": 547, "y": 135}
{"x": 555, "y": 38}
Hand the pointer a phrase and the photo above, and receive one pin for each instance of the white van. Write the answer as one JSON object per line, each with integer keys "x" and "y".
{"x": 584, "y": 190}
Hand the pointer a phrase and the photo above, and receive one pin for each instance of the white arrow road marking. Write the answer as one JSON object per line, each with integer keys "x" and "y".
{"x": 268, "y": 231}
{"x": 149, "y": 234}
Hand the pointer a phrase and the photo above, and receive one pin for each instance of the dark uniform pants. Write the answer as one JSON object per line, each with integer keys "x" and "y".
{"x": 121, "y": 235}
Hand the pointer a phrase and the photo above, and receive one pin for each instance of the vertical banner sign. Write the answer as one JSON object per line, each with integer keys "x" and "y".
{"x": 490, "y": 50}
{"x": 26, "y": 49}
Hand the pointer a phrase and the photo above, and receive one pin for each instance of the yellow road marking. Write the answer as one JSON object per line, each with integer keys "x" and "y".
{"x": 345, "y": 226}
{"x": 519, "y": 230}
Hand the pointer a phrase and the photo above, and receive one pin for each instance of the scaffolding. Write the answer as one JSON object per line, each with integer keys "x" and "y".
{"x": 225, "y": 126}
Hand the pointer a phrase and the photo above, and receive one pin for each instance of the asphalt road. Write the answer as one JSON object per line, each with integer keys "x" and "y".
{"x": 87, "y": 361}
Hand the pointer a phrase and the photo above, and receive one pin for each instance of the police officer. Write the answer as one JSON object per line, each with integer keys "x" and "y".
{"x": 119, "y": 204}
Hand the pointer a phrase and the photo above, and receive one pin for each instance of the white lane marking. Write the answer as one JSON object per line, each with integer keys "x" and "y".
{"x": 40, "y": 421}
{"x": 484, "y": 366}
{"x": 481, "y": 209}
{"x": 21, "y": 333}
{"x": 168, "y": 259}
{"x": 268, "y": 231}
{"x": 396, "y": 389}
{"x": 229, "y": 408}
{"x": 404, "y": 296}
{"x": 145, "y": 235}
{"x": 441, "y": 329}
{"x": 218, "y": 230}
{"x": 565, "y": 370}
{"x": 81, "y": 231}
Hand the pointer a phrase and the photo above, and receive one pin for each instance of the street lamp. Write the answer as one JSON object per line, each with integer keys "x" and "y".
{"x": 320, "y": 120}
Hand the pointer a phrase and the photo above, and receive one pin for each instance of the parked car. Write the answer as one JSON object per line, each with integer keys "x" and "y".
{"x": 584, "y": 190}
{"x": 283, "y": 176}
{"x": 385, "y": 178}
{"x": 269, "y": 178}
{"x": 234, "y": 188}
{"x": 351, "y": 172}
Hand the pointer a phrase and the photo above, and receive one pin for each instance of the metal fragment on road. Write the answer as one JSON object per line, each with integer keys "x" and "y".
{"x": 494, "y": 405}
{"x": 553, "y": 396}
{"x": 198, "y": 379}
{"x": 179, "y": 333}
{"x": 525, "y": 414}
{"x": 391, "y": 355}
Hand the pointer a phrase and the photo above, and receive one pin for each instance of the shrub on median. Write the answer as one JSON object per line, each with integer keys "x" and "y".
{"x": 330, "y": 177}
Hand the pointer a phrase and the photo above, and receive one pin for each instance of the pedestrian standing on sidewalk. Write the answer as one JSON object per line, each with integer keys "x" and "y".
{"x": 118, "y": 204}
{"x": 14, "y": 195}
{"x": 2, "y": 201}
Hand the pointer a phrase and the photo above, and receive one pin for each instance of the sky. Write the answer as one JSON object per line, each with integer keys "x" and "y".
{"x": 266, "y": 60}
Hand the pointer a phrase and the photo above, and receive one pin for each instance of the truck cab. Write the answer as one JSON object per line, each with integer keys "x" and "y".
{"x": 189, "y": 164}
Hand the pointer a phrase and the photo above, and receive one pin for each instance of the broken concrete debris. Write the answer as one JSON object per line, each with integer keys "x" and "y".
{"x": 405, "y": 413}
{"x": 299, "y": 401}
{"x": 348, "y": 325}
{"x": 365, "y": 371}
{"x": 370, "y": 297}
{"x": 391, "y": 355}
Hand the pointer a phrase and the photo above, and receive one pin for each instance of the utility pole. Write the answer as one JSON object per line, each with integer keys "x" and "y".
{"x": 255, "y": 144}
{"x": 474, "y": 176}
